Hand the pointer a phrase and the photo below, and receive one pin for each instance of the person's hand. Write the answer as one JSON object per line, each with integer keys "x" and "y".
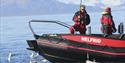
{"x": 78, "y": 17}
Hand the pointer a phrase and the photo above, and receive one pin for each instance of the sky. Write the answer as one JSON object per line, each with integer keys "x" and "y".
{"x": 103, "y": 3}
{"x": 87, "y": 2}
{"x": 94, "y": 2}
{"x": 11, "y": 2}
{"x": 31, "y": 6}
{"x": 99, "y": 3}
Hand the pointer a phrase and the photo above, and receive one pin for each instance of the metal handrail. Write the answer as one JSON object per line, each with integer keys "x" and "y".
{"x": 57, "y": 22}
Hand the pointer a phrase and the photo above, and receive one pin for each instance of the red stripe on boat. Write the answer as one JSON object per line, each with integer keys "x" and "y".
{"x": 96, "y": 41}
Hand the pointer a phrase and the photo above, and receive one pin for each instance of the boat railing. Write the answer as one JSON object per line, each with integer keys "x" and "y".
{"x": 46, "y": 21}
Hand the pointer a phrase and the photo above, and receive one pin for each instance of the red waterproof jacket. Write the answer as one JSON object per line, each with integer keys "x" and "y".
{"x": 108, "y": 25}
{"x": 83, "y": 17}
{"x": 107, "y": 20}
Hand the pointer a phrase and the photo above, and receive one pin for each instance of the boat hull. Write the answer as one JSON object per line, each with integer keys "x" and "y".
{"x": 59, "y": 50}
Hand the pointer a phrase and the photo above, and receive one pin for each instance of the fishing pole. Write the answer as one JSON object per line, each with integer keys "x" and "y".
{"x": 80, "y": 2}
{"x": 80, "y": 10}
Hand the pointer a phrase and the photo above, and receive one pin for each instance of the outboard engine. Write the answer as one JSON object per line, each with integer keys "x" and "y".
{"x": 121, "y": 30}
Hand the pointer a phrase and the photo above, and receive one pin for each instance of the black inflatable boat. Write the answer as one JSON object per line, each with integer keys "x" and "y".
{"x": 68, "y": 48}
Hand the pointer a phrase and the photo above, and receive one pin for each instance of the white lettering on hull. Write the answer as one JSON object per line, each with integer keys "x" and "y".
{"x": 91, "y": 40}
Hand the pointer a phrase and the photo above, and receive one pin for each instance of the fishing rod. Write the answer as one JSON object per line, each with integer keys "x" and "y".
{"x": 80, "y": 12}
{"x": 80, "y": 2}
{"x": 80, "y": 9}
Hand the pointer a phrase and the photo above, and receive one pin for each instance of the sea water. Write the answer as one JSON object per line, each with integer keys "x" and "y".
{"x": 14, "y": 31}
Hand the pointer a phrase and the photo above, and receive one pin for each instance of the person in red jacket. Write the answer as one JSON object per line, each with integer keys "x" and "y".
{"x": 81, "y": 19}
{"x": 108, "y": 26}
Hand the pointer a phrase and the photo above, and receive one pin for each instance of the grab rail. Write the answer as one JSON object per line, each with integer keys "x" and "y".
{"x": 57, "y": 22}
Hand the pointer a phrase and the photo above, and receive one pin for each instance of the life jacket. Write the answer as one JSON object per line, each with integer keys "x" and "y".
{"x": 106, "y": 20}
{"x": 108, "y": 25}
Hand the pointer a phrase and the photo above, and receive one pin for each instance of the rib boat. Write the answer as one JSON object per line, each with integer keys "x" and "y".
{"x": 76, "y": 48}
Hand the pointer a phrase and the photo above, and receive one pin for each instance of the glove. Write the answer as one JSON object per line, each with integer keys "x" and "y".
{"x": 79, "y": 18}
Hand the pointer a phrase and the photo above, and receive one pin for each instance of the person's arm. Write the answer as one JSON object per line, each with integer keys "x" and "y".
{"x": 87, "y": 19}
{"x": 75, "y": 17}
{"x": 101, "y": 20}
{"x": 113, "y": 25}
{"x": 110, "y": 22}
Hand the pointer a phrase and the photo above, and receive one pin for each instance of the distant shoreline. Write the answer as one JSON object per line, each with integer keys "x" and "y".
{"x": 52, "y": 14}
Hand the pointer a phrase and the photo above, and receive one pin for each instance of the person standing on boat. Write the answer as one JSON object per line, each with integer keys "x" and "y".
{"x": 81, "y": 19}
{"x": 108, "y": 26}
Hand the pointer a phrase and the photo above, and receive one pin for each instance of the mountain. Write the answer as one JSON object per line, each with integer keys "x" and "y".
{"x": 40, "y": 7}
{"x": 36, "y": 7}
